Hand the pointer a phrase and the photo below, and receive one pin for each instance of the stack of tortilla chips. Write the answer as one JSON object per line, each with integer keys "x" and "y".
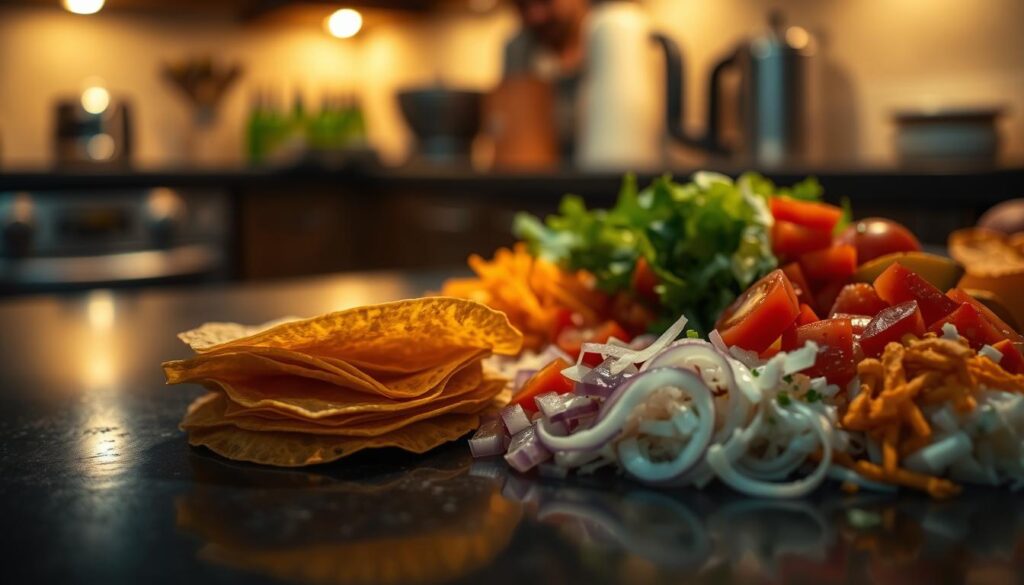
{"x": 406, "y": 374}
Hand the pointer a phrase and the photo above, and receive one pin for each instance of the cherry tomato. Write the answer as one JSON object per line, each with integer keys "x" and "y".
{"x": 857, "y": 322}
{"x": 961, "y": 296}
{"x": 891, "y": 325}
{"x": 838, "y": 262}
{"x": 644, "y": 280}
{"x": 826, "y": 295}
{"x": 971, "y": 325}
{"x": 800, "y": 286}
{"x": 759, "y": 315}
{"x": 807, "y": 315}
{"x": 1012, "y": 360}
{"x": 874, "y": 237}
{"x": 819, "y": 216}
{"x": 547, "y": 379}
{"x": 835, "y": 355}
{"x": 790, "y": 240}
{"x": 897, "y": 284}
{"x": 571, "y": 339}
{"x": 859, "y": 299}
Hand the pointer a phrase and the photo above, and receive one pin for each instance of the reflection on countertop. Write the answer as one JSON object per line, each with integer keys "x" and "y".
{"x": 450, "y": 518}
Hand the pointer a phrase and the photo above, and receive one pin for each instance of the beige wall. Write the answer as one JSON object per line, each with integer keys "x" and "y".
{"x": 877, "y": 55}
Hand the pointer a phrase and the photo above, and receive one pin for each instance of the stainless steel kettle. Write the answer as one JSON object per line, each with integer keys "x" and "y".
{"x": 772, "y": 104}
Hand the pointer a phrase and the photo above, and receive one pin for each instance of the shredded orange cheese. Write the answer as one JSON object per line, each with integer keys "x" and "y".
{"x": 917, "y": 372}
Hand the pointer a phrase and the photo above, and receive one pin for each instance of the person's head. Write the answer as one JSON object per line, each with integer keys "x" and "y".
{"x": 554, "y": 22}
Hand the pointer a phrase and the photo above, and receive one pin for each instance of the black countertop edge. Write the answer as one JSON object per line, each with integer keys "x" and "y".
{"x": 982, "y": 184}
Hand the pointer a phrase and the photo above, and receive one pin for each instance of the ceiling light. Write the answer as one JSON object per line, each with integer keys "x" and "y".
{"x": 344, "y": 23}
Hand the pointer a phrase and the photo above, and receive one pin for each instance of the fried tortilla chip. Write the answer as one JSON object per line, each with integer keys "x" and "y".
{"x": 241, "y": 368}
{"x": 210, "y": 411}
{"x": 385, "y": 333}
{"x": 298, "y": 449}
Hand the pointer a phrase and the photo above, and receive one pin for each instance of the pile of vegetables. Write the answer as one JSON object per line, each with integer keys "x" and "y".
{"x": 832, "y": 349}
{"x": 682, "y": 248}
{"x": 926, "y": 390}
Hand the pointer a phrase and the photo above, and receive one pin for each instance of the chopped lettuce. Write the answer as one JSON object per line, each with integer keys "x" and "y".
{"x": 707, "y": 240}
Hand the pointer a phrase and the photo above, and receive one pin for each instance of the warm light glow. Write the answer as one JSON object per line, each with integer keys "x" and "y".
{"x": 99, "y": 307}
{"x": 344, "y": 23}
{"x": 95, "y": 99}
{"x": 100, "y": 147}
{"x": 84, "y": 6}
{"x": 798, "y": 37}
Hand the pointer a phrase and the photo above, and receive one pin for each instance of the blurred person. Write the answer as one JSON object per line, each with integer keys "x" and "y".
{"x": 549, "y": 47}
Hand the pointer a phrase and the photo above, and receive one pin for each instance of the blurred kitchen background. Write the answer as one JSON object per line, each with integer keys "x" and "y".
{"x": 158, "y": 141}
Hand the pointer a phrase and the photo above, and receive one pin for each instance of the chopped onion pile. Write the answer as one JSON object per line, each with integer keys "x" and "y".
{"x": 675, "y": 412}
{"x": 687, "y": 412}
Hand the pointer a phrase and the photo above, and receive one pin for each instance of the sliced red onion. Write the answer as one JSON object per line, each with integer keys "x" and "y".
{"x": 526, "y": 451}
{"x": 550, "y": 403}
{"x": 575, "y": 408}
{"x": 613, "y": 414}
{"x": 488, "y": 440}
{"x": 601, "y": 382}
{"x": 515, "y": 418}
{"x": 521, "y": 378}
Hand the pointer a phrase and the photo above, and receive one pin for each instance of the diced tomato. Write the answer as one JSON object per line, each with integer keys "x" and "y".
{"x": 800, "y": 286}
{"x": 773, "y": 349}
{"x": 819, "y": 216}
{"x": 1012, "y": 360}
{"x": 835, "y": 355}
{"x": 858, "y": 322}
{"x": 898, "y": 284}
{"x": 806, "y": 315}
{"x": 837, "y": 263}
{"x": 790, "y": 240}
{"x": 858, "y": 298}
{"x": 891, "y": 324}
{"x": 644, "y": 280}
{"x": 971, "y": 325}
{"x": 961, "y": 296}
{"x": 760, "y": 315}
{"x": 571, "y": 339}
{"x": 826, "y": 295}
{"x": 547, "y": 379}
{"x": 564, "y": 319}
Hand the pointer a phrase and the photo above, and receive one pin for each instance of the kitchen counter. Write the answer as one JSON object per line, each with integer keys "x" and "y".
{"x": 98, "y": 485}
{"x": 978, "y": 186}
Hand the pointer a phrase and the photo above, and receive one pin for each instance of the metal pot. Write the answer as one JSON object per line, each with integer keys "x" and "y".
{"x": 444, "y": 121}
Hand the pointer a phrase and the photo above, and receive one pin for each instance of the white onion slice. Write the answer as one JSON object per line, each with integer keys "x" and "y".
{"x": 641, "y": 356}
{"x": 716, "y": 340}
{"x": 728, "y": 473}
{"x": 613, "y": 417}
{"x": 935, "y": 458}
{"x": 641, "y": 467}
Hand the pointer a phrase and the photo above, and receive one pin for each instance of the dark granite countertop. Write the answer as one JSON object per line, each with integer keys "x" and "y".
{"x": 98, "y": 485}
